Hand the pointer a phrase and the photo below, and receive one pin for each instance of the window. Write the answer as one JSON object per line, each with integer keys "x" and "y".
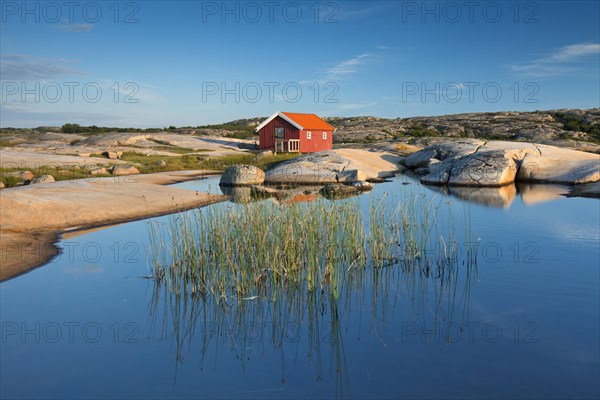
{"x": 324, "y": 135}
{"x": 308, "y": 135}
{"x": 279, "y": 133}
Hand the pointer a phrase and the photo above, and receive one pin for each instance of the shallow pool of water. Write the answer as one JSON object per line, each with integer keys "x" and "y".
{"x": 524, "y": 322}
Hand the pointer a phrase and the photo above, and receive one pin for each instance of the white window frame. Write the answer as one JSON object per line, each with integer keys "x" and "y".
{"x": 308, "y": 135}
{"x": 324, "y": 135}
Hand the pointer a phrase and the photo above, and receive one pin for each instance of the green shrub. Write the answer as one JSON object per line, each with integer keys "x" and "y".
{"x": 574, "y": 123}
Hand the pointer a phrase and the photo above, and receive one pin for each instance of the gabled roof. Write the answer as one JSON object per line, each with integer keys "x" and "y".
{"x": 300, "y": 121}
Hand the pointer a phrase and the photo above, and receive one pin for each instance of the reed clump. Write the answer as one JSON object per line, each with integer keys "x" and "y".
{"x": 257, "y": 248}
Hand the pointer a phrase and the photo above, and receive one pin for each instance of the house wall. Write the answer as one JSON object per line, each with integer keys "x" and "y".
{"x": 267, "y": 133}
{"x": 316, "y": 142}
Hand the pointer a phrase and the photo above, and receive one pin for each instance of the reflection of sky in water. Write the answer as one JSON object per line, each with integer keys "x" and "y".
{"x": 538, "y": 281}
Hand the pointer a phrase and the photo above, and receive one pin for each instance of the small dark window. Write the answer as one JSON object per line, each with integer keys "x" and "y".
{"x": 279, "y": 133}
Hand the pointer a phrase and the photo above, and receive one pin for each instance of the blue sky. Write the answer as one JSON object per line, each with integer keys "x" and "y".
{"x": 155, "y": 64}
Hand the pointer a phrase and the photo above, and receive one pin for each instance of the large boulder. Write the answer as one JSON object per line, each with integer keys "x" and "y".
{"x": 43, "y": 179}
{"x": 242, "y": 175}
{"x": 491, "y": 168}
{"x": 124, "y": 170}
{"x": 421, "y": 158}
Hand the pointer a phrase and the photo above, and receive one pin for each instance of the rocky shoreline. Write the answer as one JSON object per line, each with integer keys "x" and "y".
{"x": 32, "y": 217}
{"x": 485, "y": 172}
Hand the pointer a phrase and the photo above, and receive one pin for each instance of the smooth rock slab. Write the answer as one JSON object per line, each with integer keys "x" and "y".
{"x": 332, "y": 166}
{"x": 558, "y": 165}
{"x": 497, "y": 163}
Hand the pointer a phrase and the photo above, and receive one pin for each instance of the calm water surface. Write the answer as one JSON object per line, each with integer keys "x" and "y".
{"x": 524, "y": 322}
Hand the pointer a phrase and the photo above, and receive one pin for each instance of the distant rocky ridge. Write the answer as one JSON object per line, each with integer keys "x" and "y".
{"x": 573, "y": 128}
{"x": 549, "y": 127}
{"x": 519, "y": 126}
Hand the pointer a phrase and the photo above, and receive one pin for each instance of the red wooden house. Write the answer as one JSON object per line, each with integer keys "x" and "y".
{"x": 295, "y": 132}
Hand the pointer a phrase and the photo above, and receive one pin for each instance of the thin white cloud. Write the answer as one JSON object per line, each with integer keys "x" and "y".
{"x": 347, "y": 67}
{"x": 564, "y": 61}
{"x": 573, "y": 52}
{"x": 72, "y": 27}
{"x": 27, "y": 67}
{"x": 541, "y": 70}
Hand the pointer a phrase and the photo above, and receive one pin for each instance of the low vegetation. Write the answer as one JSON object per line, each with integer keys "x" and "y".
{"x": 95, "y": 130}
{"x": 228, "y": 130}
{"x": 162, "y": 146}
{"x": 575, "y": 123}
{"x": 149, "y": 163}
{"x": 59, "y": 173}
